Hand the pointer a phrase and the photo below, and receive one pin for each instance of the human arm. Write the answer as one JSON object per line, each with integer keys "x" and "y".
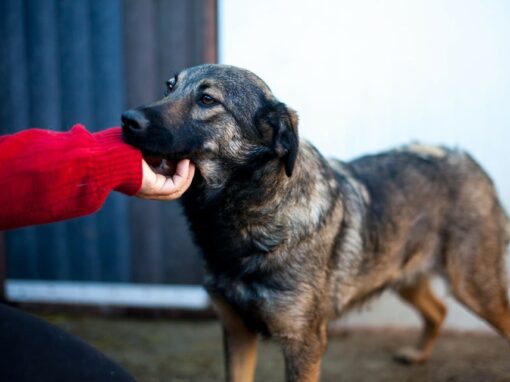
{"x": 47, "y": 176}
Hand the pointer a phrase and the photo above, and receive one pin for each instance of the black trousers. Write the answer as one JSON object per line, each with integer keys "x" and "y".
{"x": 36, "y": 351}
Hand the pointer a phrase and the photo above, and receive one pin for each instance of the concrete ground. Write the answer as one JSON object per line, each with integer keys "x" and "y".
{"x": 191, "y": 351}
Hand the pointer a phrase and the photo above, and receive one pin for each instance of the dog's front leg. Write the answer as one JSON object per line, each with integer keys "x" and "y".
{"x": 240, "y": 354}
{"x": 240, "y": 343}
{"x": 303, "y": 356}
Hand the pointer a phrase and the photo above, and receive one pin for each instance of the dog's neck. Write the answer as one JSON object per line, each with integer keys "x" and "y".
{"x": 259, "y": 211}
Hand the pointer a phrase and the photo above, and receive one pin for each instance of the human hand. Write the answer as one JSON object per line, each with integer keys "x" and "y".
{"x": 160, "y": 186}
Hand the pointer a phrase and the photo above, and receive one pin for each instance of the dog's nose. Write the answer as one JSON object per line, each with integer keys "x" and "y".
{"x": 134, "y": 120}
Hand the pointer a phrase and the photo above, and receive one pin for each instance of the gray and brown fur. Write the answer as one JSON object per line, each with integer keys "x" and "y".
{"x": 291, "y": 240}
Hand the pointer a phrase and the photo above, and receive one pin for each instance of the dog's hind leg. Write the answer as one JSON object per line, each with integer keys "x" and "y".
{"x": 432, "y": 311}
{"x": 481, "y": 285}
{"x": 475, "y": 248}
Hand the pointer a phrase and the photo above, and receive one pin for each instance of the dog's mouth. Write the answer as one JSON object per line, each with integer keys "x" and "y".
{"x": 161, "y": 164}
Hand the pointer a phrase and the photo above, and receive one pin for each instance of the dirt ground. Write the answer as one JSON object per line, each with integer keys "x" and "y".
{"x": 191, "y": 351}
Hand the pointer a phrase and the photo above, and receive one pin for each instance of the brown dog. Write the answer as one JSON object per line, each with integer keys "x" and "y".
{"x": 292, "y": 240}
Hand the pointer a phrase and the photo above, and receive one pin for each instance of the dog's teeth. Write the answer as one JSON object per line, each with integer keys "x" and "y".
{"x": 164, "y": 166}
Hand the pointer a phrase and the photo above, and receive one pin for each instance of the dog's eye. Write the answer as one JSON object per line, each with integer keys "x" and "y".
{"x": 207, "y": 100}
{"x": 170, "y": 84}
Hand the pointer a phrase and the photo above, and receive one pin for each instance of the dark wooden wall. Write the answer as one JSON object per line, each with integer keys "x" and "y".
{"x": 69, "y": 61}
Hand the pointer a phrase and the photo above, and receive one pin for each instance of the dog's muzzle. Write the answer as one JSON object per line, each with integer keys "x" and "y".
{"x": 134, "y": 125}
{"x": 134, "y": 121}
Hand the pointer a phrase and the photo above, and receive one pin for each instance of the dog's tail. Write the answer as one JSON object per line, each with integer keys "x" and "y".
{"x": 507, "y": 230}
{"x": 507, "y": 227}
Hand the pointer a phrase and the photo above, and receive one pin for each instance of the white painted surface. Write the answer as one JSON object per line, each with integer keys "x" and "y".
{"x": 110, "y": 294}
{"x": 367, "y": 75}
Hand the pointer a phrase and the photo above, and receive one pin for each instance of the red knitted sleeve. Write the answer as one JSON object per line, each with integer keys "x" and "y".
{"x": 47, "y": 176}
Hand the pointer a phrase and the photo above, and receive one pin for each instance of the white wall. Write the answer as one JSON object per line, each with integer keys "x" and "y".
{"x": 367, "y": 75}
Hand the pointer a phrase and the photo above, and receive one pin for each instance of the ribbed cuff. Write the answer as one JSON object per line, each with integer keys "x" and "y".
{"x": 119, "y": 165}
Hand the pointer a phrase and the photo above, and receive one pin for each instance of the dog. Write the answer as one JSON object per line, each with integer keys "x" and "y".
{"x": 291, "y": 240}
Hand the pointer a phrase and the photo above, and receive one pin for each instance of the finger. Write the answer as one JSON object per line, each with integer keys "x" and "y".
{"x": 181, "y": 171}
{"x": 188, "y": 180}
{"x": 175, "y": 187}
{"x": 182, "y": 184}
{"x": 191, "y": 174}
{"x": 150, "y": 177}
{"x": 160, "y": 187}
{"x": 152, "y": 183}
{"x": 178, "y": 180}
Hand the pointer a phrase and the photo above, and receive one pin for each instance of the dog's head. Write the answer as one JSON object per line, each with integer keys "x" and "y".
{"x": 224, "y": 119}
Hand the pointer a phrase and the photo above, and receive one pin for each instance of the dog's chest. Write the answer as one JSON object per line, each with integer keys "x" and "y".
{"x": 255, "y": 302}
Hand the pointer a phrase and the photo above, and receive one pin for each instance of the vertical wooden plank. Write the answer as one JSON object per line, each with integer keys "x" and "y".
{"x": 174, "y": 47}
{"x": 107, "y": 65}
{"x": 143, "y": 86}
{"x": 182, "y": 262}
{"x": 210, "y": 31}
{"x": 82, "y": 260}
{"x": 108, "y": 91}
{"x": 203, "y": 32}
{"x": 148, "y": 244}
{"x": 44, "y": 95}
{"x": 195, "y": 32}
{"x": 14, "y": 108}
{"x": 42, "y": 56}
{"x": 75, "y": 62}
{"x": 3, "y": 274}
{"x": 14, "y": 116}
{"x": 141, "y": 80}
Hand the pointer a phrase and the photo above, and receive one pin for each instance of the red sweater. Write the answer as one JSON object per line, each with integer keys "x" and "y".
{"x": 46, "y": 176}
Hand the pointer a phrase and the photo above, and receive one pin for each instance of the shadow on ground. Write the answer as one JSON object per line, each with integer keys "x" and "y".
{"x": 186, "y": 351}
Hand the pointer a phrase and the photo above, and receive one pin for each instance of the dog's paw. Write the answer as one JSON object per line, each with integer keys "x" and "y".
{"x": 410, "y": 356}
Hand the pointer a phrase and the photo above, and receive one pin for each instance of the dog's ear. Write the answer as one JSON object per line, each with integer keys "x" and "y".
{"x": 277, "y": 125}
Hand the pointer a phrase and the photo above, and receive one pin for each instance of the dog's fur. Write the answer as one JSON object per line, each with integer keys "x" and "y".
{"x": 291, "y": 240}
